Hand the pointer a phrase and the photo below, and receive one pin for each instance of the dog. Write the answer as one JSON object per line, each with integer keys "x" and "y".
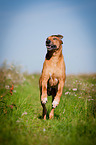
{"x": 52, "y": 79}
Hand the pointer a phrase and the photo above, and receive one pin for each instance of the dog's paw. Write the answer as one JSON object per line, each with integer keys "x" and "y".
{"x": 55, "y": 104}
{"x": 51, "y": 115}
{"x": 44, "y": 100}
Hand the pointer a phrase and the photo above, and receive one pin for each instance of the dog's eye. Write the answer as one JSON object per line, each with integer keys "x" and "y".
{"x": 54, "y": 38}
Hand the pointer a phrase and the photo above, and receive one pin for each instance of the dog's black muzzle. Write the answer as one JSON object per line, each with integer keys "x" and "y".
{"x": 50, "y": 45}
{"x": 48, "y": 42}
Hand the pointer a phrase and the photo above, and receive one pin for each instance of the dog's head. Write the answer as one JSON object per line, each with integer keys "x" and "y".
{"x": 53, "y": 42}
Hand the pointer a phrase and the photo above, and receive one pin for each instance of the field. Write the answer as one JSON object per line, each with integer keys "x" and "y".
{"x": 21, "y": 120}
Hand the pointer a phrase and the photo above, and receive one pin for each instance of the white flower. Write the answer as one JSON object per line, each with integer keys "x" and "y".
{"x": 24, "y": 79}
{"x": 44, "y": 129}
{"x": 89, "y": 96}
{"x": 18, "y": 121}
{"x": 14, "y": 91}
{"x": 9, "y": 76}
{"x": 7, "y": 86}
{"x": 67, "y": 93}
{"x": 90, "y": 99}
{"x": 64, "y": 111}
{"x": 74, "y": 89}
{"x": 25, "y": 113}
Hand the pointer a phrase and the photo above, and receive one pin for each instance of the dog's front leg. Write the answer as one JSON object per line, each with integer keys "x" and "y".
{"x": 44, "y": 97}
{"x": 58, "y": 95}
{"x": 44, "y": 91}
{"x": 44, "y": 111}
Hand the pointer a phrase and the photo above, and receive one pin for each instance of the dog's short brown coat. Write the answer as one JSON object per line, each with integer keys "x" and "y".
{"x": 52, "y": 78}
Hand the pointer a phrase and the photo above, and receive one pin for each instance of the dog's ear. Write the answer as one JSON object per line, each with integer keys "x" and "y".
{"x": 60, "y": 36}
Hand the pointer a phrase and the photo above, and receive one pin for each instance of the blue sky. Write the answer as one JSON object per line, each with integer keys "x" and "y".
{"x": 25, "y": 25}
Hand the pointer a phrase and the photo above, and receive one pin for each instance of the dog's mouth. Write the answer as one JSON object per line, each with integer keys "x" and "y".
{"x": 50, "y": 45}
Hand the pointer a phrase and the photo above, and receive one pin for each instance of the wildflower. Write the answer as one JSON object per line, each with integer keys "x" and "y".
{"x": 64, "y": 111}
{"x": 11, "y": 106}
{"x": 9, "y": 76}
{"x": 7, "y": 86}
{"x": 44, "y": 129}
{"x": 24, "y": 79}
{"x": 1, "y": 96}
{"x": 90, "y": 99}
{"x": 25, "y": 113}
{"x": 18, "y": 121}
{"x": 14, "y": 91}
{"x": 67, "y": 93}
{"x": 79, "y": 97}
{"x": 74, "y": 89}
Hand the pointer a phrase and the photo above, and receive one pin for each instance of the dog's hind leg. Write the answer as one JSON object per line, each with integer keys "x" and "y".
{"x": 58, "y": 94}
{"x": 51, "y": 115}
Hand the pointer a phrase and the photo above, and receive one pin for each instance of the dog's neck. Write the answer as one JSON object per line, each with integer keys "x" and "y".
{"x": 54, "y": 53}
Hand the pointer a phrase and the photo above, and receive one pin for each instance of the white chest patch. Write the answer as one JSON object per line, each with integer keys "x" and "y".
{"x": 50, "y": 75}
{"x": 52, "y": 80}
{"x": 56, "y": 79}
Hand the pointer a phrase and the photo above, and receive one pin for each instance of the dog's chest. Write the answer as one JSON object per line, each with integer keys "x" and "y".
{"x": 53, "y": 81}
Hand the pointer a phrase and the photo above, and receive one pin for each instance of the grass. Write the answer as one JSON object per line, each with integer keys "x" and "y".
{"x": 20, "y": 114}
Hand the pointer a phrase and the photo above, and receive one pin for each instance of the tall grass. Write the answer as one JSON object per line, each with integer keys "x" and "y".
{"x": 21, "y": 113}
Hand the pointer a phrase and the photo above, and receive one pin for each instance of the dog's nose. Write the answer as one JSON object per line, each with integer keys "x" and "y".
{"x": 48, "y": 41}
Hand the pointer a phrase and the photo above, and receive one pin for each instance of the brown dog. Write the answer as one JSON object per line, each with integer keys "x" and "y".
{"x": 52, "y": 78}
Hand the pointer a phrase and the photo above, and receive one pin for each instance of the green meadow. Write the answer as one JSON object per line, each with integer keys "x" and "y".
{"x": 21, "y": 120}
